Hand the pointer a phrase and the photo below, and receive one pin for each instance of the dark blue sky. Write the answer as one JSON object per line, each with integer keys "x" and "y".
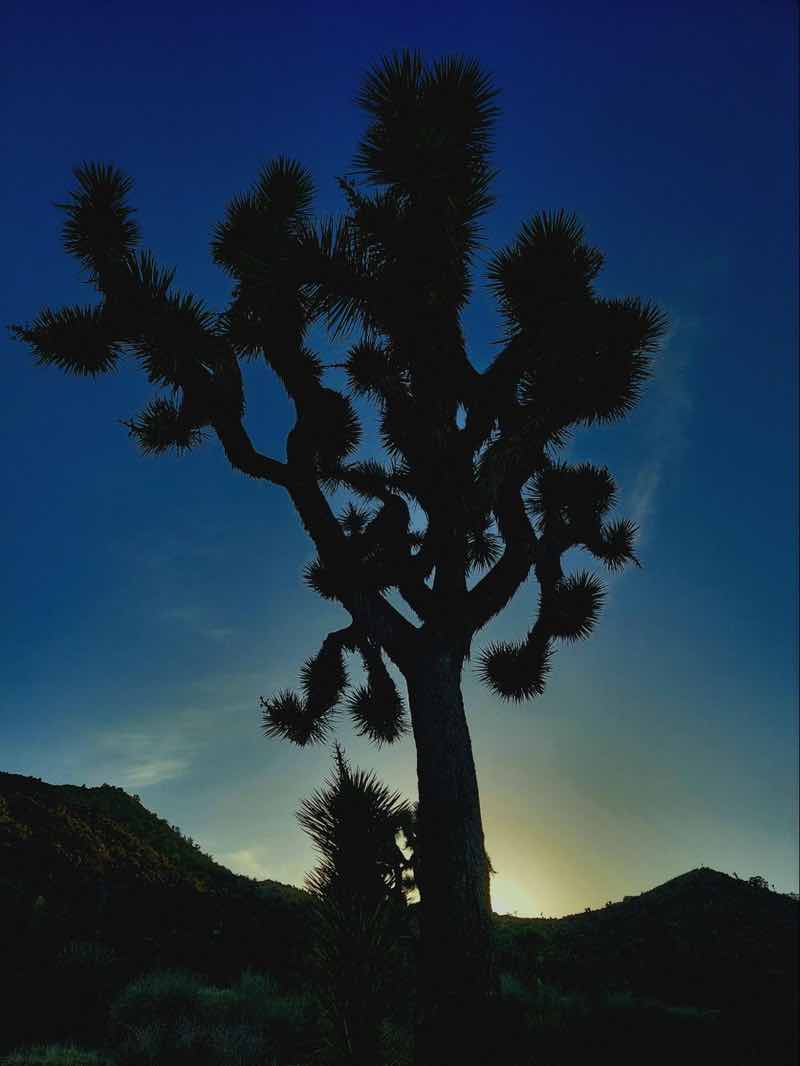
{"x": 150, "y": 602}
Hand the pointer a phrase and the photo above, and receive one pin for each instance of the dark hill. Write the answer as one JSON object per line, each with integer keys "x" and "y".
{"x": 90, "y": 878}
{"x": 86, "y": 834}
{"x": 702, "y": 938}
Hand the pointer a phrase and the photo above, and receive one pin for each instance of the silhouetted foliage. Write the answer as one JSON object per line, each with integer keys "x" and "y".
{"x": 173, "y": 1016}
{"x": 361, "y": 928}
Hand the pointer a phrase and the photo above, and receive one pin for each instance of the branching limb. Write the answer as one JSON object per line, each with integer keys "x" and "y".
{"x": 307, "y": 718}
{"x": 568, "y": 609}
{"x": 369, "y": 610}
{"x": 241, "y": 454}
{"x": 377, "y": 708}
{"x": 496, "y": 588}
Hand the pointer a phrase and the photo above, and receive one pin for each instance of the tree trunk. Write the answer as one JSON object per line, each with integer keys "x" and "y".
{"x": 456, "y": 981}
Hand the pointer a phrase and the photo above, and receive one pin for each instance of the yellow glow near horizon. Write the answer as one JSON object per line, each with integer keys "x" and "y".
{"x": 511, "y": 897}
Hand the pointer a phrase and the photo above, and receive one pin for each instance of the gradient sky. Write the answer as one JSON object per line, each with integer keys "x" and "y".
{"x": 149, "y": 602}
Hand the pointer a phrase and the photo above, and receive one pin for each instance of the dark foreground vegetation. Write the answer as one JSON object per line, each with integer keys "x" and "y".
{"x": 123, "y": 944}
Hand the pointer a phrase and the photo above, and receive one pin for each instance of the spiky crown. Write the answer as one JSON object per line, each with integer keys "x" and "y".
{"x": 472, "y": 457}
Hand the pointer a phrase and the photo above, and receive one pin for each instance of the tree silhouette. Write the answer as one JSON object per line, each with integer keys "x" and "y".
{"x": 359, "y": 891}
{"x": 475, "y": 453}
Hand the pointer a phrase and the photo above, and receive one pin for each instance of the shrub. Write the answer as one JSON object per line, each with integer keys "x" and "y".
{"x": 173, "y": 1017}
{"x": 164, "y": 996}
{"x": 55, "y": 1055}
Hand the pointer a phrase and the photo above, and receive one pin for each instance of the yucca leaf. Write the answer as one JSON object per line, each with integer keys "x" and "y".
{"x": 324, "y": 678}
{"x": 616, "y": 543}
{"x": 572, "y": 496}
{"x": 161, "y": 426}
{"x": 321, "y": 580}
{"x": 80, "y": 340}
{"x": 100, "y": 229}
{"x": 549, "y": 266}
{"x": 263, "y": 228}
{"x": 378, "y": 715}
{"x": 289, "y": 717}
{"x": 331, "y": 425}
{"x": 572, "y": 608}
{"x": 377, "y": 708}
{"x": 516, "y": 671}
{"x": 354, "y": 519}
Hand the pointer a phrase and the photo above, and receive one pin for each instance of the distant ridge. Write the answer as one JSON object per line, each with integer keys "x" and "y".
{"x": 702, "y": 938}
{"x": 104, "y": 832}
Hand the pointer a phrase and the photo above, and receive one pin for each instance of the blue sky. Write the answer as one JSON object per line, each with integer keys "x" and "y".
{"x": 149, "y": 602}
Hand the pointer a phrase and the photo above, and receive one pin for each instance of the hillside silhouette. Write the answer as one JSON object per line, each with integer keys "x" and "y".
{"x": 703, "y": 938}
{"x": 91, "y": 880}
{"x": 105, "y": 832}
{"x": 89, "y": 877}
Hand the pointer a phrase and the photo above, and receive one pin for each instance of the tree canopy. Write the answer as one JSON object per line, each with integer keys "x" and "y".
{"x": 475, "y": 453}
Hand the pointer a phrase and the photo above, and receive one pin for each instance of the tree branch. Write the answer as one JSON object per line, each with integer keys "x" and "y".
{"x": 369, "y": 610}
{"x": 241, "y": 454}
{"x": 496, "y": 588}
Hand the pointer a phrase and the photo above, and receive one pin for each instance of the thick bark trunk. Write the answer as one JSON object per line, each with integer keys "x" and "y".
{"x": 456, "y": 974}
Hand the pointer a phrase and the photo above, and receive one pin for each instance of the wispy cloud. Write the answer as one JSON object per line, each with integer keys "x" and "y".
{"x": 154, "y": 771}
{"x": 643, "y": 495}
{"x": 669, "y": 410}
{"x": 138, "y": 759}
{"x": 248, "y": 861}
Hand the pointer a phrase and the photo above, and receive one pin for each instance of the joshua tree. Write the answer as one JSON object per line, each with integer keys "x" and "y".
{"x": 359, "y": 890}
{"x": 473, "y": 452}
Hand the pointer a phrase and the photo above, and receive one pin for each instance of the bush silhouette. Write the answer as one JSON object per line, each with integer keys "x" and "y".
{"x": 55, "y": 1055}
{"x": 174, "y": 1017}
{"x": 360, "y": 921}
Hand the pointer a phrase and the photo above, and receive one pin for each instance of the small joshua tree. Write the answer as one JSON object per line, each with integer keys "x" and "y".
{"x": 359, "y": 890}
{"x": 476, "y": 452}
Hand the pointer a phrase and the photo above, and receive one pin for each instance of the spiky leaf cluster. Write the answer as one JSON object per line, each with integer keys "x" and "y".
{"x": 398, "y": 263}
{"x": 377, "y": 708}
{"x": 569, "y": 505}
{"x": 354, "y": 821}
{"x": 367, "y": 479}
{"x": 265, "y": 242}
{"x": 548, "y": 271}
{"x": 100, "y": 229}
{"x": 162, "y": 426}
{"x": 431, "y": 131}
{"x": 615, "y": 545}
{"x": 80, "y": 340}
{"x": 179, "y": 334}
{"x": 144, "y": 281}
{"x": 307, "y": 719}
{"x": 483, "y": 547}
{"x": 354, "y": 519}
{"x": 517, "y": 671}
{"x": 324, "y": 678}
{"x": 331, "y": 428}
{"x": 288, "y": 716}
{"x": 571, "y": 497}
{"x": 261, "y": 228}
{"x": 589, "y": 367}
{"x": 321, "y": 580}
{"x": 571, "y": 608}
{"x": 370, "y": 371}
